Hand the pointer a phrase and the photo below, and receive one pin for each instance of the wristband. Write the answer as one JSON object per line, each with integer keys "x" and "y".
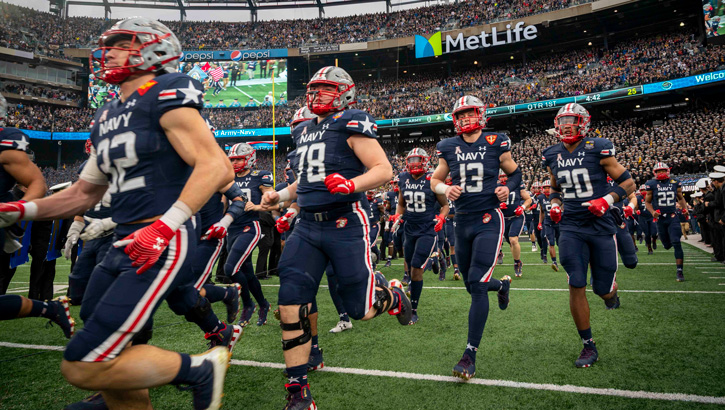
{"x": 236, "y": 209}
{"x": 609, "y": 198}
{"x": 176, "y": 216}
{"x": 625, "y": 176}
{"x": 234, "y": 192}
{"x": 620, "y": 192}
{"x": 226, "y": 220}
{"x": 284, "y": 195}
{"x": 441, "y": 188}
{"x": 292, "y": 213}
{"x": 513, "y": 181}
{"x": 30, "y": 211}
{"x": 555, "y": 195}
{"x": 554, "y": 205}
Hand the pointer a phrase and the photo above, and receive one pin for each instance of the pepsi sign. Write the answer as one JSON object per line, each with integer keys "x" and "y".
{"x": 233, "y": 55}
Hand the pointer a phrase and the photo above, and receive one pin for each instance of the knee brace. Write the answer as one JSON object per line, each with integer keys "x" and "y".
{"x": 303, "y": 325}
{"x": 200, "y": 310}
{"x": 678, "y": 250}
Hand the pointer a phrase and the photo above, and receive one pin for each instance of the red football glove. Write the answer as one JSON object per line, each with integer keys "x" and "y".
{"x": 555, "y": 214}
{"x": 686, "y": 213}
{"x": 519, "y": 211}
{"x": 532, "y": 207}
{"x": 597, "y": 206}
{"x": 656, "y": 215}
{"x": 338, "y": 184}
{"x": 216, "y": 231}
{"x": 282, "y": 223}
{"x": 503, "y": 205}
{"x": 638, "y": 212}
{"x": 395, "y": 217}
{"x": 146, "y": 245}
{"x": 628, "y": 211}
{"x": 538, "y": 226}
{"x": 440, "y": 221}
{"x": 11, "y": 212}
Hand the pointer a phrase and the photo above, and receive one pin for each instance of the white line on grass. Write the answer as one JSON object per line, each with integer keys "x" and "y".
{"x": 564, "y": 388}
{"x": 258, "y": 102}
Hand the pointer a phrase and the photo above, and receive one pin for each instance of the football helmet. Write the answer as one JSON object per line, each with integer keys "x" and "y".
{"x": 301, "y": 115}
{"x": 546, "y": 187}
{"x": 417, "y": 161}
{"x": 3, "y": 110}
{"x": 89, "y": 145}
{"x": 571, "y": 132}
{"x": 394, "y": 183}
{"x": 370, "y": 195}
{"x": 502, "y": 177}
{"x": 158, "y": 52}
{"x": 245, "y": 152}
{"x": 465, "y": 103}
{"x": 661, "y": 176}
{"x": 341, "y": 98}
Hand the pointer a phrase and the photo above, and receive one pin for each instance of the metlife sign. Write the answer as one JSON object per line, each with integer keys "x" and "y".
{"x": 233, "y": 55}
{"x": 437, "y": 45}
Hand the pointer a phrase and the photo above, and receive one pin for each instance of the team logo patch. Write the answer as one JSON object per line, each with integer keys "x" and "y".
{"x": 247, "y": 228}
{"x": 458, "y": 150}
{"x": 486, "y": 218}
{"x": 338, "y": 115}
{"x": 142, "y": 90}
{"x": 558, "y": 157}
{"x": 589, "y": 145}
{"x": 491, "y": 138}
{"x": 236, "y": 55}
{"x": 103, "y": 116}
{"x": 341, "y": 222}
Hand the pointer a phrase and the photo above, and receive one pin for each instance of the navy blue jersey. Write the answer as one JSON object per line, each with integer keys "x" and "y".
{"x": 513, "y": 201}
{"x": 211, "y": 212}
{"x": 475, "y": 168}
{"x": 664, "y": 194}
{"x": 392, "y": 198}
{"x": 322, "y": 150}
{"x": 292, "y": 162}
{"x": 10, "y": 139}
{"x": 420, "y": 203}
{"x": 641, "y": 207}
{"x": 451, "y": 207}
{"x": 581, "y": 178}
{"x": 545, "y": 204}
{"x": 145, "y": 173}
{"x": 619, "y": 204}
{"x": 374, "y": 210}
{"x": 250, "y": 185}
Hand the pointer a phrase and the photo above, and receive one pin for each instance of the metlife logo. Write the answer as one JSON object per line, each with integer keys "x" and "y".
{"x": 436, "y": 45}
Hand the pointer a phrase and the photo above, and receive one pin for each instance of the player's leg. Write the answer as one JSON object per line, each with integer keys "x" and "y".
{"x": 207, "y": 254}
{"x": 675, "y": 236}
{"x": 344, "y": 323}
{"x": 626, "y": 248}
{"x": 315, "y": 361}
{"x": 96, "y": 359}
{"x": 374, "y": 231}
{"x": 15, "y": 306}
{"x": 485, "y": 233}
{"x": 91, "y": 255}
{"x": 255, "y": 288}
{"x": 517, "y": 226}
{"x": 417, "y": 250}
{"x": 551, "y": 238}
{"x": 240, "y": 250}
{"x": 575, "y": 255}
{"x": 654, "y": 230}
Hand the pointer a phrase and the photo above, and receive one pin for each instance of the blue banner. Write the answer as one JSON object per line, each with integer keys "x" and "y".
{"x": 66, "y": 136}
{"x": 691, "y": 81}
{"x": 38, "y": 135}
{"x": 251, "y": 132}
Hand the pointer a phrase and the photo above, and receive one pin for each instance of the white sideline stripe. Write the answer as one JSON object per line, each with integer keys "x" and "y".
{"x": 566, "y": 388}
{"x": 716, "y": 277}
{"x": 566, "y": 290}
{"x": 255, "y": 100}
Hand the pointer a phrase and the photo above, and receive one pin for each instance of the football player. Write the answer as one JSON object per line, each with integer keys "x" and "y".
{"x": 622, "y": 211}
{"x": 513, "y": 213}
{"x": 578, "y": 168}
{"x": 663, "y": 193}
{"x": 17, "y": 168}
{"x": 530, "y": 221}
{"x": 548, "y": 228}
{"x": 473, "y": 158}
{"x": 416, "y": 205}
{"x": 333, "y": 152}
{"x": 391, "y": 205}
{"x": 376, "y": 211}
{"x": 649, "y": 227}
{"x": 243, "y": 230}
{"x": 451, "y": 234}
{"x": 154, "y": 152}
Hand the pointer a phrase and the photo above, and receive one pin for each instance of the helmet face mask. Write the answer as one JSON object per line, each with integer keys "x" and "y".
{"x": 245, "y": 157}
{"x": 150, "y": 47}
{"x": 330, "y": 89}
{"x": 572, "y": 123}
{"x": 661, "y": 171}
{"x": 469, "y": 115}
{"x": 546, "y": 187}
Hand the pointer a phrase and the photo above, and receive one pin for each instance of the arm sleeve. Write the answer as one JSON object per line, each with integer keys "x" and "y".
{"x": 91, "y": 173}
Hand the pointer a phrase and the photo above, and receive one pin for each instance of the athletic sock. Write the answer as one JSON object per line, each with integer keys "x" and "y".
{"x": 416, "y": 288}
{"x": 586, "y": 336}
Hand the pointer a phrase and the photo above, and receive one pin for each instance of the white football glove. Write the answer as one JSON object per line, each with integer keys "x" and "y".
{"x": 72, "y": 238}
{"x": 96, "y": 227}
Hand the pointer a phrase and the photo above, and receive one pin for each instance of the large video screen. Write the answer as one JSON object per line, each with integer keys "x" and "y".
{"x": 226, "y": 83}
{"x": 714, "y": 11}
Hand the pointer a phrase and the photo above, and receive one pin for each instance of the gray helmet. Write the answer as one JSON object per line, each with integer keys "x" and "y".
{"x": 418, "y": 167}
{"x": 3, "y": 109}
{"x": 469, "y": 102}
{"x": 343, "y": 96}
{"x": 243, "y": 150}
{"x": 584, "y": 120}
{"x": 302, "y": 114}
{"x": 159, "y": 53}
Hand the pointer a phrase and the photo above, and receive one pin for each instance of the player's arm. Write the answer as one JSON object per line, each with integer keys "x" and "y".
{"x": 683, "y": 203}
{"x": 272, "y": 197}
{"x": 190, "y": 136}
{"x": 513, "y": 173}
{"x": 252, "y": 207}
{"x": 555, "y": 190}
{"x": 633, "y": 201}
{"x": 528, "y": 200}
{"x": 19, "y": 166}
{"x": 443, "y": 213}
{"x": 648, "y": 202}
{"x": 371, "y": 154}
{"x": 625, "y": 182}
{"x": 400, "y": 209}
{"x": 438, "y": 185}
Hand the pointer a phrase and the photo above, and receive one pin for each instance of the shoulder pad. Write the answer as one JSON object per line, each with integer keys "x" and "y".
{"x": 178, "y": 90}
{"x": 13, "y": 138}
{"x": 359, "y": 122}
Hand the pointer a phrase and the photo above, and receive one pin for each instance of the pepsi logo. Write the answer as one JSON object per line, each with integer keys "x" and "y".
{"x": 236, "y": 55}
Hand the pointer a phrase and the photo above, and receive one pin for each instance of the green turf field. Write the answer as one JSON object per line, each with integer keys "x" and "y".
{"x": 665, "y": 338}
{"x": 244, "y": 92}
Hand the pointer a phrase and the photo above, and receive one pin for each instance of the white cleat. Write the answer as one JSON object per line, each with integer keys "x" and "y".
{"x": 341, "y": 327}
{"x": 219, "y": 358}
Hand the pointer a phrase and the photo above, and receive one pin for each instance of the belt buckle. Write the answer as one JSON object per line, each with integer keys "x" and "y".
{"x": 319, "y": 216}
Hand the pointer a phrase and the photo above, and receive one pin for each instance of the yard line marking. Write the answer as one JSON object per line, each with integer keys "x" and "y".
{"x": 566, "y": 290}
{"x": 564, "y": 388}
{"x": 256, "y": 100}
{"x": 716, "y": 277}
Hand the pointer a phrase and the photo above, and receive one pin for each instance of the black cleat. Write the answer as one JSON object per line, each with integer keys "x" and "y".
{"x": 233, "y": 305}
{"x": 263, "y": 311}
{"x": 93, "y": 402}
{"x": 503, "y": 293}
{"x": 247, "y": 312}
{"x": 465, "y": 369}
{"x": 404, "y": 310}
{"x": 612, "y": 303}
{"x": 315, "y": 361}
{"x": 62, "y": 316}
{"x": 301, "y": 400}
{"x": 587, "y": 357}
{"x": 680, "y": 276}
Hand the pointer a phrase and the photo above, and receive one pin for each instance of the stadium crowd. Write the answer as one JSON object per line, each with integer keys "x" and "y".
{"x": 44, "y": 33}
{"x": 39, "y": 91}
